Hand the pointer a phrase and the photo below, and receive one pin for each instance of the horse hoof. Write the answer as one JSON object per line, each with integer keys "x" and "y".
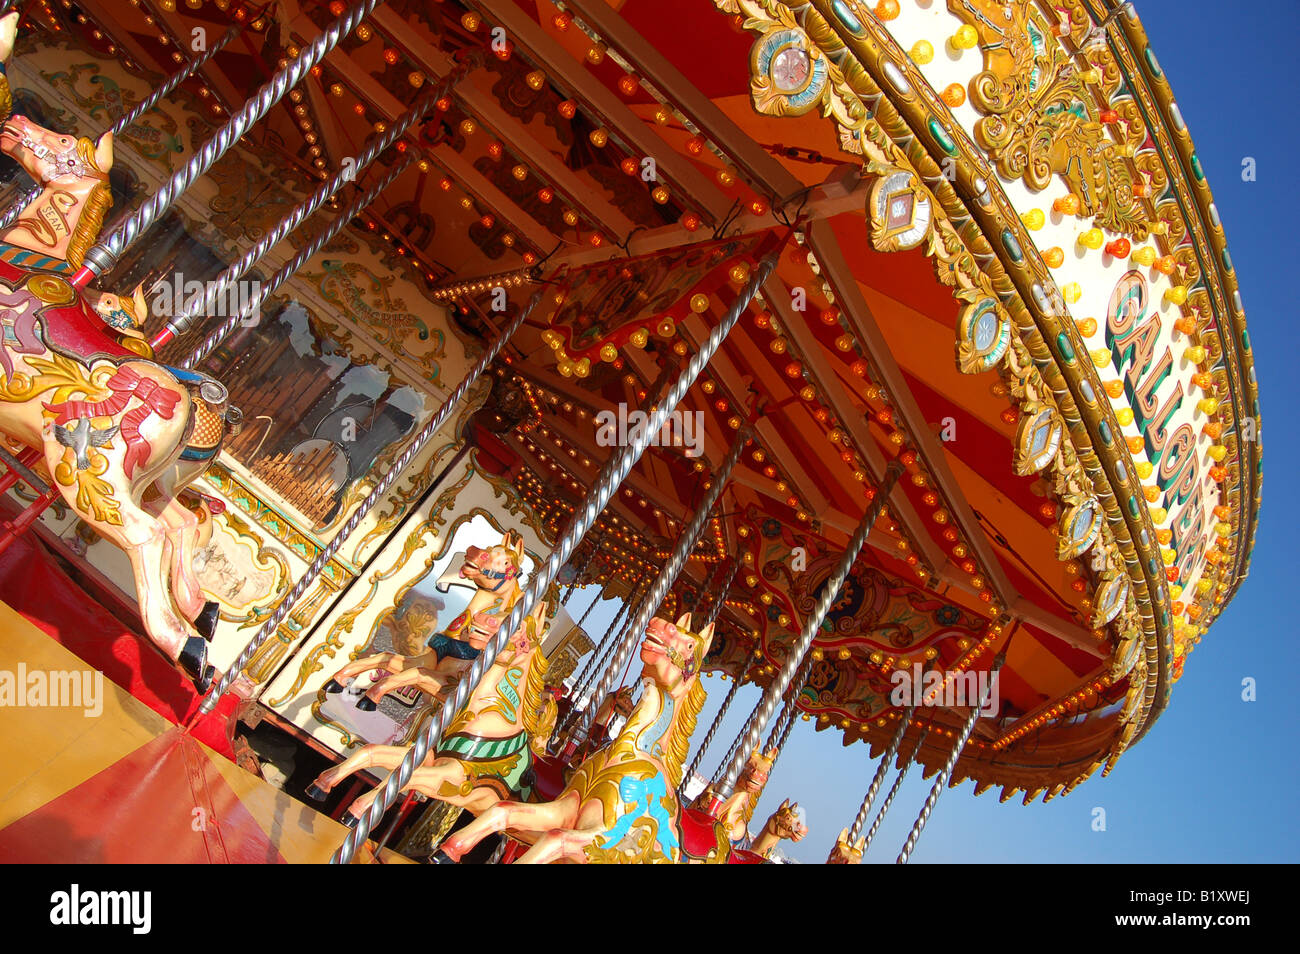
{"x": 206, "y": 621}
{"x": 194, "y": 661}
{"x": 334, "y": 686}
{"x": 316, "y": 793}
{"x": 366, "y": 704}
{"x": 351, "y": 820}
{"x": 441, "y": 857}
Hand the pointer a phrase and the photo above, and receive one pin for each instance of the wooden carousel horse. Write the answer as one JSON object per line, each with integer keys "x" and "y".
{"x": 487, "y": 753}
{"x": 782, "y": 825}
{"x": 847, "y": 852}
{"x": 620, "y": 804}
{"x": 709, "y": 839}
{"x": 495, "y": 571}
{"x": 112, "y": 426}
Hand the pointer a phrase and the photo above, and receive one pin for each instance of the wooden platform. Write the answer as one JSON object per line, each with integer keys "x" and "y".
{"x": 124, "y": 785}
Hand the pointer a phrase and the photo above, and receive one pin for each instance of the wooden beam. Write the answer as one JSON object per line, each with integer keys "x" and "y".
{"x": 835, "y": 268}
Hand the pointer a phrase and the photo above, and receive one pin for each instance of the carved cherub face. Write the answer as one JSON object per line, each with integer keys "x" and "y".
{"x": 46, "y": 155}
{"x": 672, "y": 654}
{"x": 495, "y": 567}
{"x": 756, "y": 771}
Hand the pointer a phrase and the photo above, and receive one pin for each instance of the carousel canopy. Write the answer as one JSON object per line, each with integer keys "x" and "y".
{"x": 997, "y": 263}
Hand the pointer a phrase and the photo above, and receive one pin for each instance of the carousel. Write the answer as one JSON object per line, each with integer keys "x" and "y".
{"x": 887, "y": 357}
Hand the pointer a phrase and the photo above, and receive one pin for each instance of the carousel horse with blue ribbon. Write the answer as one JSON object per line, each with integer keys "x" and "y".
{"x": 119, "y": 433}
{"x": 494, "y": 571}
{"x": 620, "y": 805}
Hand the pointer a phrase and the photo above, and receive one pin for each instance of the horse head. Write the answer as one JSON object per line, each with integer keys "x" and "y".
{"x": 46, "y": 155}
{"x": 672, "y": 654}
{"x": 847, "y": 852}
{"x": 786, "y": 822}
{"x": 495, "y": 568}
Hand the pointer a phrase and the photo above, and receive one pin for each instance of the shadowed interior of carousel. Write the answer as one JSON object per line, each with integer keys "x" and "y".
{"x": 126, "y": 783}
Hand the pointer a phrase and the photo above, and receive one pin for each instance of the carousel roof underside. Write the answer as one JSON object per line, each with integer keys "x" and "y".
{"x": 930, "y": 305}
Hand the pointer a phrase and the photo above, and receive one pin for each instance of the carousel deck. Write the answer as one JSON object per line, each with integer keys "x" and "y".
{"x": 125, "y": 785}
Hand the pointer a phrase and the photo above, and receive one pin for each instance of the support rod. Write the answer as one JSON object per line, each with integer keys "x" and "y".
{"x": 300, "y": 258}
{"x": 106, "y": 254}
{"x": 830, "y": 592}
{"x": 946, "y": 772}
{"x": 216, "y": 291}
{"x": 893, "y": 790}
{"x": 611, "y": 477}
{"x": 881, "y": 771}
{"x": 664, "y": 581}
{"x": 398, "y": 467}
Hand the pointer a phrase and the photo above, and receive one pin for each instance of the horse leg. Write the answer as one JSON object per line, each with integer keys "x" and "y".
{"x": 143, "y": 538}
{"x": 384, "y": 756}
{"x": 390, "y": 663}
{"x": 182, "y": 528}
{"x": 519, "y": 816}
{"x": 559, "y": 844}
{"x": 424, "y": 679}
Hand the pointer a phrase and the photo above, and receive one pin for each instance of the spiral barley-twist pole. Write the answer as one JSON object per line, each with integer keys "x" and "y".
{"x": 893, "y": 790}
{"x": 327, "y": 552}
{"x": 301, "y": 257}
{"x": 881, "y": 771}
{"x": 216, "y": 290}
{"x": 149, "y": 102}
{"x": 610, "y": 479}
{"x": 830, "y": 592}
{"x": 668, "y": 575}
{"x": 105, "y": 255}
{"x": 946, "y": 772}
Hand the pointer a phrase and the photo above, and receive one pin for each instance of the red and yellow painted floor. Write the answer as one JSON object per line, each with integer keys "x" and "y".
{"x": 128, "y": 786}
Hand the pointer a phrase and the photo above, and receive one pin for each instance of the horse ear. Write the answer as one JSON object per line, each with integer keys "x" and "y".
{"x": 141, "y": 306}
{"x": 706, "y": 634}
{"x": 104, "y": 152}
{"x": 539, "y": 612}
{"x": 684, "y": 622}
{"x": 516, "y": 544}
{"x": 844, "y": 835}
{"x": 786, "y": 803}
{"x": 860, "y": 844}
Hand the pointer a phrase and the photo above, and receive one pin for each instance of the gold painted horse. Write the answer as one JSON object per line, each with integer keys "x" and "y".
{"x": 783, "y": 824}
{"x": 847, "y": 852}
{"x": 487, "y": 753}
{"x": 620, "y": 805}
{"x": 495, "y": 571}
{"x": 117, "y": 431}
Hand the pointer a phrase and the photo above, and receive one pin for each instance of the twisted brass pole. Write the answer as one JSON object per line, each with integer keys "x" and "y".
{"x": 106, "y": 254}
{"x": 381, "y": 488}
{"x": 205, "y": 302}
{"x": 893, "y": 789}
{"x": 611, "y": 477}
{"x": 881, "y": 771}
{"x": 149, "y": 102}
{"x": 663, "y": 582}
{"x": 946, "y": 772}
{"x": 812, "y": 624}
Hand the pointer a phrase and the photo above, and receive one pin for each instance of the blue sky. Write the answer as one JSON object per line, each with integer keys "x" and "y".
{"x": 1215, "y": 778}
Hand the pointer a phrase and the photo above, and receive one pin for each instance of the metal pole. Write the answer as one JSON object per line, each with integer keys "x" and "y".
{"x": 611, "y": 478}
{"x": 893, "y": 790}
{"x": 381, "y": 488}
{"x": 149, "y": 102}
{"x": 708, "y": 738}
{"x": 105, "y": 255}
{"x": 215, "y": 291}
{"x": 811, "y": 625}
{"x": 881, "y": 771}
{"x": 300, "y": 258}
{"x": 664, "y": 581}
{"x": 946, "y": 772}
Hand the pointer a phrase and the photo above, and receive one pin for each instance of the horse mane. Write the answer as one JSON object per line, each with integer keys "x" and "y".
{"x": 534, "y": 694}
{"x": 678, "y": 744}
{"x": 98, "y": 202}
